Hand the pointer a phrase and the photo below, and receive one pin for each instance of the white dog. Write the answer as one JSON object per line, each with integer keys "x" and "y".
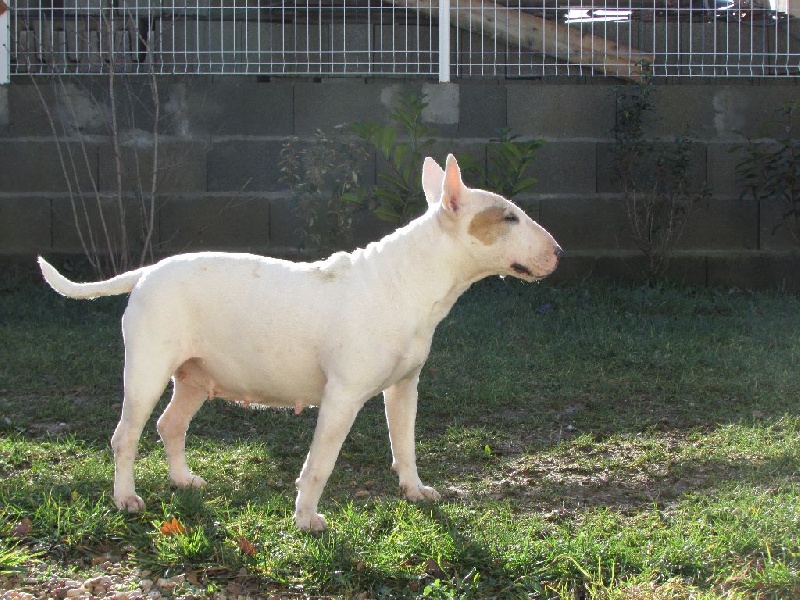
{"x": 332, "y": 333}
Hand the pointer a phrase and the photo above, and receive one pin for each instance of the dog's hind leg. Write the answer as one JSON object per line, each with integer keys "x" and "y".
{"x": 145, "y": 379}
{"x": 337, "y": 411}
{"x": 172, "y": 425}
{"x": 400, "y": 401}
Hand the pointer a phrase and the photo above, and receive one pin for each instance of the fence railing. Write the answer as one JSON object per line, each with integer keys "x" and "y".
{"x": 478, "y": 38}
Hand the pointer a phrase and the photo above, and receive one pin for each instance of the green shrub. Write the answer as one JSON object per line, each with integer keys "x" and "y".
{"x": 323, "y": 175}
{"x": 770, "y": 171}
{"x": 325, "y": 183}
{"x": 398, "y": 196}
{"x": 655, "y": 177}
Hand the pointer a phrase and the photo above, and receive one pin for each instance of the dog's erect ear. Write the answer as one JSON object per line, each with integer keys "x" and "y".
{"x": 452, "y": 188}
{"x": 432, "y": 179}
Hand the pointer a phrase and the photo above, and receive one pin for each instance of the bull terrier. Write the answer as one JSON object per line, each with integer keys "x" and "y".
{"x": 332, "y": 333}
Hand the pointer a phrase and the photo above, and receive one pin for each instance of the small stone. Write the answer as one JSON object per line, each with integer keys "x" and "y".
{"x": 98, "y": 585}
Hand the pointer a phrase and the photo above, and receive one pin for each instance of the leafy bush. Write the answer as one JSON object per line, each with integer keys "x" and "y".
{"x": 398, "y": 196}
{"x": 770, "y": 171}
{"x": 324, "y": 174}
{"x": 324, "y": 179}
{"x": 655, "y": 177}
{"x": 507, "y": 161}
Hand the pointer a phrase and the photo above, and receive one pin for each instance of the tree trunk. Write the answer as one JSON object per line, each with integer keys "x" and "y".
{"x": 528, "y": 31}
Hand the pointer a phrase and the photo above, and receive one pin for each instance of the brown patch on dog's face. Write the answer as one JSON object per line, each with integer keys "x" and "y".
{"x": 488, "y": 225}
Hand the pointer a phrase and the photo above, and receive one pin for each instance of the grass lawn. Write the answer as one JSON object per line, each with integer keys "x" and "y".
{"x": 590, "y": 441}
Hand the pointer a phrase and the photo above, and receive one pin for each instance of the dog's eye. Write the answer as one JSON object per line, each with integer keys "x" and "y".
{"x": 511, "y": 218}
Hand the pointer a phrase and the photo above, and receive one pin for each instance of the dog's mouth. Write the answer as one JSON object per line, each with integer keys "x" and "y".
{"x": 522, "y": 271}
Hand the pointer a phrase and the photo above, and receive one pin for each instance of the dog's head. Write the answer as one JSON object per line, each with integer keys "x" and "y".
{"x": 501, "y": 237}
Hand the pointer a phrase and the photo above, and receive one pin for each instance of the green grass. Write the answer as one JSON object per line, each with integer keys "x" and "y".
{"x": 590, "y": 441}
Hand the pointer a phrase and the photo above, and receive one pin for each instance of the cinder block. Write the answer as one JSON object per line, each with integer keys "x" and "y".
{"x": 464, "y": 151}
{"x": 630, "y": 267}
{"x": 443, "y": 110}
{"x": 565, "y": 167}
{"x": 71, "y": 109}
{"x": 245, "y": 166}
{"x": 634, "y": 267}
{"x": 482, "y": 110}
{"x": 234, "y": 106}
{"x": 719, "y": 112}
{"x": 723, "y": 180}
{"x": 687, "y": 270}
{"x": 36, "y": 166}
{"x": 779, "y": 230}
{"x": 721, "y": 224}
{"x": 334, "y": 102}
{"x": 285, "y": 226}
{"x": 755, "y": 271}
{"x": 573, "y": 267}
{"x": 98, "y": 221}
{"x": 238, "y": 223}
{"x": 5, "y": 111}
{"x": 701, "y": 112}
{"x": 627, "y": 267}
{"x": 608, "y": 182}
{"x": 181, "y": 166}
{"x": 24, "y": 225}
{"x": 581, "y": 223}
{"x": 762, "y": 109}
{"x": 561, "y": 111}
{"x": 530, "y": 204}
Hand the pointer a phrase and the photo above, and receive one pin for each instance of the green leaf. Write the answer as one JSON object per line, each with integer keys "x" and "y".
{"x": 386, "y": 141}
{"x": 523, "y": 185}
{"x": 385, "y": 213}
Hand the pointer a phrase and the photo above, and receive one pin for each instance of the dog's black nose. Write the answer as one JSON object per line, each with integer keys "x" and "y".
{"x": 559, "y": 251}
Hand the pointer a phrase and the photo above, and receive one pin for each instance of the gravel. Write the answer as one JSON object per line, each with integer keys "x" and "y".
{"x": 114, "y": 581}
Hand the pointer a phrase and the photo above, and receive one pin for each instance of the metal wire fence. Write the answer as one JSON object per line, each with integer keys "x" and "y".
{"x": 530, "y": 38}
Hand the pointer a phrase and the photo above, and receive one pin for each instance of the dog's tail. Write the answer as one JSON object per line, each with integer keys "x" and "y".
{"x": 121, "y": 284}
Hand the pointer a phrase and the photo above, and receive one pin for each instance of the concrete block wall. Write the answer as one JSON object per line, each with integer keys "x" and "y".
{"x": 220, "y": 184}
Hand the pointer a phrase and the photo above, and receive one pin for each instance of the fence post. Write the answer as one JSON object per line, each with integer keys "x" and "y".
{"x": 444, "y": 41}
{"x": 5, "y": 44}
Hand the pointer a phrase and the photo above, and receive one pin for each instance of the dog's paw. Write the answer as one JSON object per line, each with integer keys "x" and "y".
{"x": 190, "y": 481}
{"x": 417, "y": 493}
{"x": 131, "y": 504}
{"x": 315, "y": 522}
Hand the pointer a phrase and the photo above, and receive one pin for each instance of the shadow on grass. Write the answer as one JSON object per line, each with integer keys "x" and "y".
{"x": 551, "y": 400}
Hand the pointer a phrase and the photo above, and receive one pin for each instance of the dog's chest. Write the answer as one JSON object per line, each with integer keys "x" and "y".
{"x": 410, "y": 355}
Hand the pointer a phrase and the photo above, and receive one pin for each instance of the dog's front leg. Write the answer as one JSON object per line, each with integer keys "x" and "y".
{"x": 400, "y": 402}
{"x": 337, "y": 412}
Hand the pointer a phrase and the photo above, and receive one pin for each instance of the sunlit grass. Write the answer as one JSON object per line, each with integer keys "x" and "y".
{"x": 590, "y": 441}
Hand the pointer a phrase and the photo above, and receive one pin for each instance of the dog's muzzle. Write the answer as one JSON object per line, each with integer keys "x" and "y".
{"x": 521, "y": 270}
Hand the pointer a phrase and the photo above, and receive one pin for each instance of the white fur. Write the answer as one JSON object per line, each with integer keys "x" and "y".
{"x": 332, "y": 333}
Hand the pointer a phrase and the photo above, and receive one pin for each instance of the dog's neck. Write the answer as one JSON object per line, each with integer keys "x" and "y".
{"x": 431, "y": 264}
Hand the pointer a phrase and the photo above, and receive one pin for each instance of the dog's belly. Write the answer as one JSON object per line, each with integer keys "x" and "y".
{"x": 240, "y": 382}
